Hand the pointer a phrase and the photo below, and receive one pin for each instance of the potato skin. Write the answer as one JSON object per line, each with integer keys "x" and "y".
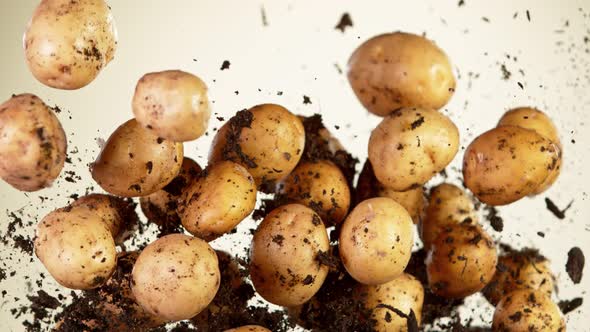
{"x": 173, "y": 104}
{"x": 283, "y": 255}
{"x": 249, "y": 328}
{"x": 527, "y": 310}
{"x": 134, "y": 162}
{"x": 376, "y": 241}
{"x": 67, "y": 43}
{"x": 508, "y": 163}
{"x": 176, "y": 277}
{"x": 218, "y": 201}
{"x": 410, "y": 146}
{"x": 32, "y": 143}
{"x": 396, "y": 70}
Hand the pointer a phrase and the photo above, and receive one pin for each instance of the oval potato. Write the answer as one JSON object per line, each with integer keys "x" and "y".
{"x": 527, "y": 310}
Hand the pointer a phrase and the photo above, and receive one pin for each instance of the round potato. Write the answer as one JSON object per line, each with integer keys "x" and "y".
{"x": 218, "y": 201}
{"x": 267, "y": 139}
{"x": 410, "y": 146}
{"x": 447, "y": 205}
{"x": 32, "y": 143}
{"x": 320, "y": 186}
{"x": 527, "y": 310}
{"x": 376, "y": 241}
{"x": 67, "y": 43}
{"x": 176, "y": 277}
{"x": 508, "y": 163}
{"x": 173, "y": 104}
{"x": 283, "y": 255}
{"x": 396, "y": 70}
{"x": 249, "y": 328}
{"x": 461, "y": 261}
{"x": 135, "y": 162}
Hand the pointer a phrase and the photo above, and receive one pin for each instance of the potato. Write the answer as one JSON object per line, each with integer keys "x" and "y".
{"x": 176, "y": 277}
{"x": 249, "y": 328}
{"x": 173, "y": 104}
{"x": 76, "y": 246}
{"x": 320, "y": 186}
{"x": 396, "y": 70}
{"x": 67, "y": 43}
{"x": 410, "y": 146}
{"x": 32, "y": 143}
{"x": 376, "y": 241}
{"x": 527, "y": 310}
{"x": 267, "y": 139}
{"x": 508, "y": 163}
{"x": 218, "y": 201}
{"x": 283, "y": 255}
{"x": 461, "y": 261}
{"x": 404, "y": 293}
{"x": 135, "y": 162}
{"x": 447, "y": 205}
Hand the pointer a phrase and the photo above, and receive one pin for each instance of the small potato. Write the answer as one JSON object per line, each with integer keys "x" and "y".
{"x": 267, "y": 139}
{"x": 447, "y": 205}
{"x": 176, "y": 277}
{"x": 410, "y": 146}
{"x": 376, "y": 241}
{"x": 404, "y": 293}
{"x": 218, "y": 201}
{"x": 32, "y": 143}
{"x": 173, "y": 104}
{"x": 283, "y": 255}
{"x": 508, "y": 163}
{"x": 135, "y": 162}
{"x": 461, "y": 261}
{"x": 527, "y": 310}
{"x": 249, "y": 328}
{"x": 396, "y": 70}
{"x": 320, "y": 186}
{"x": 77, "y": 247}
{"x": 67, "y": 43}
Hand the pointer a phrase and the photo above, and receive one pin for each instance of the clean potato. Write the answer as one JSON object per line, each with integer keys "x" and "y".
{"x": 135, "y": 162}
{"x": 67, "y": 43}
{"x": 398, "y": 69}
{"x": 376, "y": 241}
{"x": 249, "y": 328}
{"x": 32, "y": 143}
{"x": 525, "y": 311}
{"x": 410, "y": 146}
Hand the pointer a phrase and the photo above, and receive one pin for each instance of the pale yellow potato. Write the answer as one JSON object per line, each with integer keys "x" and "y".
{"x": 176, "y": 277}
{"x": 283, "y": 256}
{"x": 376, "y": 241}
{"x": 398, "y": 69}
{"x": 508, "y": 163}
{"x": 32, "y": 143}
{"x": 410, "y": 146}
{"x": 527, "y": 310}
{"x": 135, "y": 162}
{"x": 223, "y": 196}
{"x": 461, "y": 261}
{"x": 249, "y": 328}
{"x": 67, "y": 43}
{"x": 173, "y": 104}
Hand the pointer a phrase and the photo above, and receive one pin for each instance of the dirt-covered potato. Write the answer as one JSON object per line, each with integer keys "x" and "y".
{"x": 32, "y": 143}
{"x": 447, "y": 205}
{"x": 283, "y": 255}
{"x": 173, "y": 104}
{"x": 320, "y": 186}
{"x": 508, "y": 163}
{"x": 218, "y": 201}
{"x": 525, "y": 311}
{"x": 376, "y": 241}
{"x": 410, "y": 146}
{"x": 404, "y": 293}
{"x": 135, "y": 162}
{"x": 76, "y": 247}
{"x": 398, "y": 69}
{"x": 267, "y": 139}
{"x": 176, "y": 277}
{"x": 249, "y": 328}
{"x": 461, "y": 261}
{"x": 67, "y": 43}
